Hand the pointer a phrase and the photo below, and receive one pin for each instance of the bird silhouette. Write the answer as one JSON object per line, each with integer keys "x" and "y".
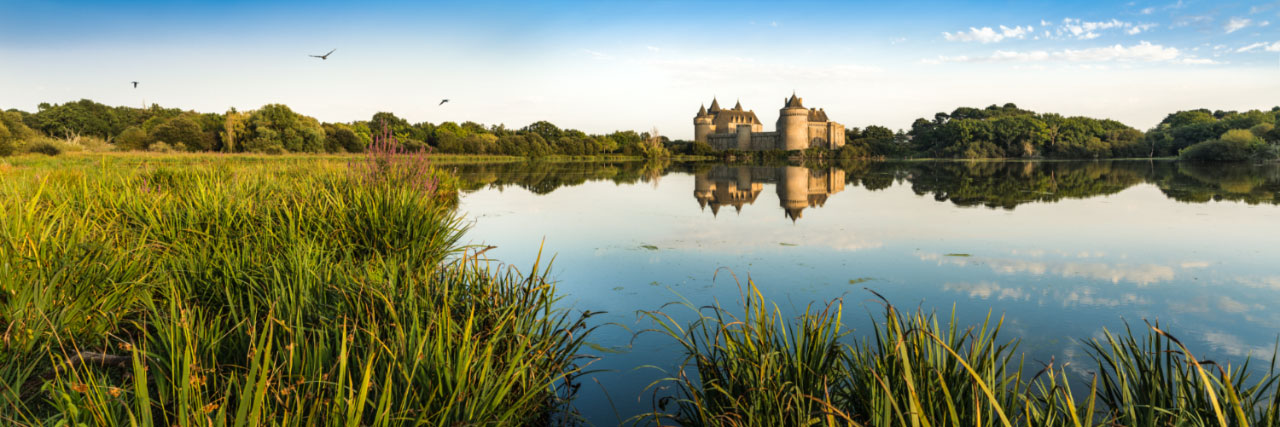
{"x": 442, "y": 101}
{"x": 135, "y": 85}
{"x": 325, "y": 56}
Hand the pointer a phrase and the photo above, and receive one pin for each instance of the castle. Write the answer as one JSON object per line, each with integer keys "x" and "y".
{"x": 798, "y": 128}
{"x": 798, "y": 187}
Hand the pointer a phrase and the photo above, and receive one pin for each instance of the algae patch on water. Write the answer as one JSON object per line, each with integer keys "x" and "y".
{"x": 649, "y": 247}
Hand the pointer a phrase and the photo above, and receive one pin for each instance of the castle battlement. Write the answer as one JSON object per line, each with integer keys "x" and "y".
{"x": 798, "y": 128}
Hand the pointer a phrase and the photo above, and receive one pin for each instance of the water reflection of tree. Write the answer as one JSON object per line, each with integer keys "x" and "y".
{"x": 1009, "y": 184}
{"x": 545, "y": 177}
{"x": 980, "y": 183}
{"x": 1204, "y": 182}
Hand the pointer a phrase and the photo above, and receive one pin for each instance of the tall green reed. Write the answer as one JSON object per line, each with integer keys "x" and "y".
{"x": 211, "y": 291}
{"x": 760, "y": 368}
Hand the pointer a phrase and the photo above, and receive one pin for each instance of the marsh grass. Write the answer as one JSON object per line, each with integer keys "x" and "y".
{"x": 203, "y": 290}
{"x": 754, "y": 367}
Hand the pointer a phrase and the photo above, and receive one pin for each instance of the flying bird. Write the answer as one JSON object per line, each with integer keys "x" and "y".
{"x": 442, "y": 101}
{"x": 325, "y": 56}
{"x": 135, "y": 85}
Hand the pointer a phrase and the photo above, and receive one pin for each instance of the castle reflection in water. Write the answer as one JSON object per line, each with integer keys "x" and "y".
{"x": 798, "y": 187}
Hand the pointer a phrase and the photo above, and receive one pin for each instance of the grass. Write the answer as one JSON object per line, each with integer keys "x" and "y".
{"x": 246, "y": 290}
{"x": 755, "y": 367}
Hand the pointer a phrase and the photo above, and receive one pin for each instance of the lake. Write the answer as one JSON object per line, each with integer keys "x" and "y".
{"x": 1061, "y": 250}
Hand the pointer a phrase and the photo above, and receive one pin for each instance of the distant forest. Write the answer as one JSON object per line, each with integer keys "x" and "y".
{"x": 992, "y": 132}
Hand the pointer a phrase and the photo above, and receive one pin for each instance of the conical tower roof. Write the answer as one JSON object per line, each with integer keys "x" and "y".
{"x": 702, "y": 110}
{"x": 738, "y": 106}
{"x": 794, "y": 101}
{"x": 715, "y": 106}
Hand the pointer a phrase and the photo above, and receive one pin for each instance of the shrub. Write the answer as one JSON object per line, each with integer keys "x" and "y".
{"x": 133, "y": 138}
{"x": 6, "y": 141}
{"x": 44, "y": 146}
{"x": 92, "y": 143}
{"x": 160, "y": 147}
{"x": 1236, "y": 145}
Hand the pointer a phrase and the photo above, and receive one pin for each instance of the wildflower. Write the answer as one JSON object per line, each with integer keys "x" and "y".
{"x": 208, "y": 409}
{"x": 115, "y": 391}
{"x": 79, "y": 388}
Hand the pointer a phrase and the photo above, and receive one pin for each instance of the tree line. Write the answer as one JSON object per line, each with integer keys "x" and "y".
{"x": 997, "y": 131}
{"x": 275, "y": 129}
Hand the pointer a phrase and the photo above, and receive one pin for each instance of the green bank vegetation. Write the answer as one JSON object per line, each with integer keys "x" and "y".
{"x": 755, "y": 367}
{"x": 209, "y": 290}
{"x": 997, "y": 131}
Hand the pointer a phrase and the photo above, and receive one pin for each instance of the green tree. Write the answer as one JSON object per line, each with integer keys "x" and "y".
{"x": 340, "y": 138}
{"x": 180, "y": 130}
{"x": 276, "y": 127}
{"x": 233, "y": 128}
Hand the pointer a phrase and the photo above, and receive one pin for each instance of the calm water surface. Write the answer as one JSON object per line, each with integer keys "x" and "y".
{"x": 1060, "y": 249}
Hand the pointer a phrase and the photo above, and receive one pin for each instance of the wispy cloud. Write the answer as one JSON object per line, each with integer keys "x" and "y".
{"x": 596, "y": 54}
{"x": 1269, "y": 47}
{"x": 1139, "y": 28}
{"x": 989, "y": 35}
{"x": 1237, "y": 24}
{"x": 1185, "y": 21}
{"x": 1148, "y": 11}
{"x": 653, "y": 48}
{"x": 1141, "y": 52}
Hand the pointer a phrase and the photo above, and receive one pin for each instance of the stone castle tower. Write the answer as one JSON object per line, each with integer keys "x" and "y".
{"x": 798, "y": 128}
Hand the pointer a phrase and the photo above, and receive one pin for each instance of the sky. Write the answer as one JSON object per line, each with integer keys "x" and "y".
{"x": 604, "y": 66}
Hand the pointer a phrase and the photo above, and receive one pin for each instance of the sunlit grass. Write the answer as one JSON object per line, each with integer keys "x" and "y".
{"x": 754, "y": 367}
{"x": 208, "y": 290}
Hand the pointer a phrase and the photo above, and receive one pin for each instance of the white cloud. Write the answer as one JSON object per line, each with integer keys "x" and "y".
{"x": 1269, "y": 47}
{"x": 1139, "y": 28}
{"x": 1264, "y": 23}
{"x": 596, "y": 54}
{"x": 1237, "y": 24}
{"x": 1085, "y": 30}
{"x": 1197, "y": 61}
{"x": 653, "y": 48}
{"x": 1251, "y": 47}
{"x": 1141, "y": 52}
{"x": 1148, "y": 11}
{"x": 773, "y": 24}
{"x": 989, "y": 35}
{"x": 1073, "y": 28}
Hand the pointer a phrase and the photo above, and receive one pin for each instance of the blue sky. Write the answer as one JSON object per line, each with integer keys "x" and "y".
{"x": 637, "y": 65}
